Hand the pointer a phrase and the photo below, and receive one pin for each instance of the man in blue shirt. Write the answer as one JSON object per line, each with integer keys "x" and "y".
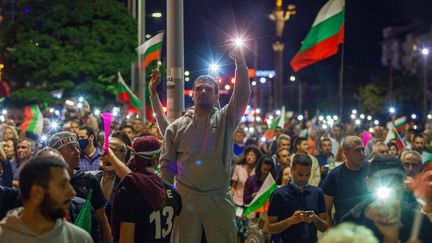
{"x": 345, "y": 186}
{"x": 297, "y": 209}
{"x": 89, "y": 147}
{"x": 324, "y": 157}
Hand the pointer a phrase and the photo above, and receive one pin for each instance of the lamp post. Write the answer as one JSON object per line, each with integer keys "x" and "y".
{"x": 175, "y": 59}
{"x": 425, "y": 53}
{"x": 300, "y": 93}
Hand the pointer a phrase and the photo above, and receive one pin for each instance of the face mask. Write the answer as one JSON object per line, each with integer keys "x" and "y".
{"x": 297, "y": 186}
{"x": 83, "y": 143}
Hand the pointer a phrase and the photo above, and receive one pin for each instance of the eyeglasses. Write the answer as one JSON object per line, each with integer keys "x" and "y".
{"x": 413, "y": 165}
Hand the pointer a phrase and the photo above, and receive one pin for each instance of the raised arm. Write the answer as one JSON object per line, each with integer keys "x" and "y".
{"x": 160, "y": 116}
{"x": 242, "y": 90}
{"x": 168, "y": 165}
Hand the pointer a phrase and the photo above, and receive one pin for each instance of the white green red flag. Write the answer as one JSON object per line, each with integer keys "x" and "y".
{"x": 151, "y": 54}
{"x": 393, "y": 134}
{"x": 33, "y": 120}
{"x": 126, "y": 96}
{"x": 400, "y": 124}
{"x": 324, "y": 37}
{"x": 277, "y": 122}
{"x": 260, "y": 202}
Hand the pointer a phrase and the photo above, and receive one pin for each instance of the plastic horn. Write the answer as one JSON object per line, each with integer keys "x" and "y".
{"x": 107, "y": 125}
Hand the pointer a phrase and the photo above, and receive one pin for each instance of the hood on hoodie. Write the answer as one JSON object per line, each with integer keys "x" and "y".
{"x": 13, "y": 223}
{"x": 149, "y": 185}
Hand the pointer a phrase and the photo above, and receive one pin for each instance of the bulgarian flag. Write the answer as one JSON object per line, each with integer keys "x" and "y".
{"x": 125, "y": 95}
{"x": 151, "y": 53}
{"x": 400, "y": 124}
{"x": 278, "y": 122}
{"x": 33, "y": 120}
{"x": 324, "y": 37}
{"x": 260, "y": 202}
{"x": 393, "y": 134}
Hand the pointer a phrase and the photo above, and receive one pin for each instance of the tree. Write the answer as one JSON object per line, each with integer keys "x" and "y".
{"x": 77, "y": 45}
{"x": 371, "y": 98}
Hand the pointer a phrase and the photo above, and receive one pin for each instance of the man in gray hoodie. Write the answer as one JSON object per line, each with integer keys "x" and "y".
{"x": 197, "y": 152}
{"x": 46, "y": 194}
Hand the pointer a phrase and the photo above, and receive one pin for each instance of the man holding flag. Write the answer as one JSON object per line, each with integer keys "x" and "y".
{"x": 298, "y": 209}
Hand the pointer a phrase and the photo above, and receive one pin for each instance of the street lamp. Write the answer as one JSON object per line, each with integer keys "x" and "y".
{"x": 425, "y": 53}
{"x": 156, "y": 15}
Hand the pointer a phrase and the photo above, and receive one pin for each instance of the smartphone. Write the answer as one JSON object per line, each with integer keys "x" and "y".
{"x": 309, "y": 213}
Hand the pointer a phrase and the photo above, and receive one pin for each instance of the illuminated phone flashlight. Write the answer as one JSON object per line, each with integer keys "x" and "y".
{"x": 4, "y": 112}
{"x": 80, "y": 105}
{"x": 97, "y": 112}
{"x": 383, "y": 193}
{"x": 81, "y": 99}
{"x": 54, "y": 125}
{"x": 263, "y": 139}
{"x": 44, "y": 138}
{"x": 238, "y": 42}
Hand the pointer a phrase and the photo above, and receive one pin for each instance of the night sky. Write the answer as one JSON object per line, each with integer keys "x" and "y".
{"x": 209, "y": 23}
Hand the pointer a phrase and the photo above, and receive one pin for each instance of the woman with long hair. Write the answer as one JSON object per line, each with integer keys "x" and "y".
{"x": 254, "y": 182}
{"x": 242, "y": 170}
{"x": 285, "y": 175}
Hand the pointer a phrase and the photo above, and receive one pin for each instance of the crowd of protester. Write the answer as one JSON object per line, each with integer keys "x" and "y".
{"x": 338, "y": 191}
{"x": 188, "y": 177}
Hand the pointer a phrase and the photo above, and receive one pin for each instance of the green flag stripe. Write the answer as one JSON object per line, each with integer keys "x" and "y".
{"x": 33, "y": 125}
{"x": 324, "y": 30}
{"x": 153, "y": 48}
{"x": 260, "y": 201}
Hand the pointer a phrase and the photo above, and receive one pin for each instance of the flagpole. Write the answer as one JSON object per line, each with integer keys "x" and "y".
{"x": 341, "y": 76}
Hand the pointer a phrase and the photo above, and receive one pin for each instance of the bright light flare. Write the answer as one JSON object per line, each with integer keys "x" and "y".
{"x": 383, "y": 192}
{"x": 413, "y": 116}
{"x": 239, "y": 42}
{"x": 425, "y": 51}
{"x": 54, "y": 125}
{"x": 214, "y": 67}
{"x": 81, "y": 99}
{"x": 300, "y": 117}
{"x": 392, "y": 110}
{"x": 97, "y": 112}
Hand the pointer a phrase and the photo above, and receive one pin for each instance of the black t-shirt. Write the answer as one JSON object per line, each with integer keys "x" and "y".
{"x": 347, "y": 187}
{"x": 82, "y": 182}
{"x": 150, "y": 226}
